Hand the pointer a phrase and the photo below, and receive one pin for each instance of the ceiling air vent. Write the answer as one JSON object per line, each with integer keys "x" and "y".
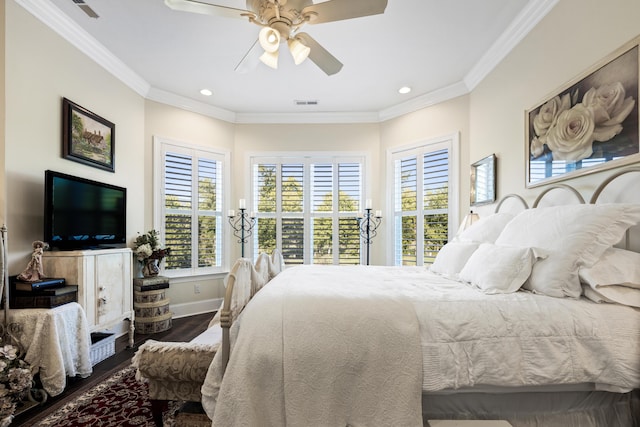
{"x": 85, "y": 8}
{"x": 308, "y": 102}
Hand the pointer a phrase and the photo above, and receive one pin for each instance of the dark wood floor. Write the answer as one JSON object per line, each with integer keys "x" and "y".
{"x": 183, "y": 329}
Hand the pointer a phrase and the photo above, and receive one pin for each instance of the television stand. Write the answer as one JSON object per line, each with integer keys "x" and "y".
{"x": 105, "y": 285}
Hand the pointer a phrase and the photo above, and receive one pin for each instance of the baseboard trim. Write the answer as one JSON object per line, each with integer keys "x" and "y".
{"x": 194, "y": 308}
{"x": 179, "y": 310}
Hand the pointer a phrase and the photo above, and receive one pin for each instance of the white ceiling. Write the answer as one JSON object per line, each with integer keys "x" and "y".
{"x": 440, "y": 48}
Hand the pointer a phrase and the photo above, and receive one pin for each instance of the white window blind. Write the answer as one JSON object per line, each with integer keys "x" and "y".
{"x": 191, "y": 206}
{"x": 308, "y": 207}
{"x": 421, "y": 202}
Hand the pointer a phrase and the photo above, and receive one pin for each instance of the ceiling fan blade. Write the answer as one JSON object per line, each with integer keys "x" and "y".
{"x": 208, "y": 9}
{"x": 319, "y": 55}
{"x": 337, "y": 10}
{"x": 250, "y": 59}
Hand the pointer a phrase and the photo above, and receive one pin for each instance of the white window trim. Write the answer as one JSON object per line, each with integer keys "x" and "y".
{"x": 306, "y": 157}
{"x": 159, "y": 209}
{"x": 452, "y": 141}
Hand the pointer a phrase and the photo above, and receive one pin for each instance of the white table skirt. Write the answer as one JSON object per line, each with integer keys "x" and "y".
{"x": 57, "y": 343}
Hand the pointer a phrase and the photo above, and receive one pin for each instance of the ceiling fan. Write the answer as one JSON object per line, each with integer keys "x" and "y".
{"x": 280, "y": 21}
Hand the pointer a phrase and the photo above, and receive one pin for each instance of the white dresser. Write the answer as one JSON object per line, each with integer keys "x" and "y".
{"x": 104, "y": 282}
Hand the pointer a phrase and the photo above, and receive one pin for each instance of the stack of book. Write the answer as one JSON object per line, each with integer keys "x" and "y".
{"x": 143, "y": 284}
{"x": 44, "y": 293}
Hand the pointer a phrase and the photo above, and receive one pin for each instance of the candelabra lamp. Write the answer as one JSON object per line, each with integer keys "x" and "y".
{"x": 368, "y": 224}
{"x": 242, "y": 224}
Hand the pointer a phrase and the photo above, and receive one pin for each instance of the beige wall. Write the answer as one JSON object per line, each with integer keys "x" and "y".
{"x": 575, "y": 35}
{"x": 41, "y": 69}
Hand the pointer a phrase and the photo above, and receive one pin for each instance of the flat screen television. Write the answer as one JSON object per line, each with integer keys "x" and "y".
{"x": 83, "y": 214}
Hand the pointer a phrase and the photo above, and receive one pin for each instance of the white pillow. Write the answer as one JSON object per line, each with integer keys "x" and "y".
{"x": 499, "y": 269}
{"x": 614, "y": 294}
{"x": 486, "y": 229}
{"x": 452, "y": 257}
{"x": 615, "y": 267}
{"x": 573, "y": 236}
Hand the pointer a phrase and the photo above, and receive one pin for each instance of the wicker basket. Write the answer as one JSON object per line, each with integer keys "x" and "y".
{"x": 103, "y": 345}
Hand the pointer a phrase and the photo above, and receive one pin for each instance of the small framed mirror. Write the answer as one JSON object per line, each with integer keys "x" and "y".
{"x": 483, "y": 181}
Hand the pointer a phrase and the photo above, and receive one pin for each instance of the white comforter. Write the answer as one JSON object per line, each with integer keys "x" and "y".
{"x": 332, "y": 346}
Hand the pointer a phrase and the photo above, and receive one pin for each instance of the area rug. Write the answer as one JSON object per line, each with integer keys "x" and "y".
{"x": 118, "y": 401}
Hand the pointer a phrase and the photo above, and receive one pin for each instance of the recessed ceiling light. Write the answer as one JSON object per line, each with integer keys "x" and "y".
{"x": 206, "y": 92}
{"x": 404, "y": 89}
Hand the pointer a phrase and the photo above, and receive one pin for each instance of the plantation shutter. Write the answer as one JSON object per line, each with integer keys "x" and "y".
{"x": 308, "y": 208}
{"x": 406, "y": 225}
{"x": 192, "y": 202}
{"x": 421, "y": 203}
{"x": 292, "y": 200}
{"x": 436, "y": 202}
{"x": 265, "y": 201}
{"x": 322, "y": 184}
{"x": 209, "y": 212}
{"x": 178, "y": 217}
{"x": 349, "y": 200}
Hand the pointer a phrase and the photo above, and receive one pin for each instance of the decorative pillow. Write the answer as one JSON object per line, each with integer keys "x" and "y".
{"x": 452, "y": 257}
{"x": 499, "y": 269}
{"x": 614, "y": 294}
{"x": 573, "y": 236}
{"x": 615, "y": 267}
{"x": 486, "y": 229}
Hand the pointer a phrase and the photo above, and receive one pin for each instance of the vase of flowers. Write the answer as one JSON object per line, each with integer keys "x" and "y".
{"x": 15, "y": 382}
{"x": 149, "y": 252}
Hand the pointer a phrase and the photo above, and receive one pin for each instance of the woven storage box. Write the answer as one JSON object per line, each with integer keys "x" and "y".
{"x": 102, "y": 346}
{"x": 149, "y": 296}
{"x": 151, "y": 325}
{"x": 151, "y": 309}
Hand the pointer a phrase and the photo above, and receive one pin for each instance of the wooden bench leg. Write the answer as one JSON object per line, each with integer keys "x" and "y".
{"x": 157, "y": 408}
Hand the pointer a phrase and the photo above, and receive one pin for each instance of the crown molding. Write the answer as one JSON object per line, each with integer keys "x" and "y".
{"x": 189, "y": 104}
{"x": 52, "y": 17}
{"x": 526, "y": 20}
{"x": 308, "y": 118}
{"x": 423, "y": 101}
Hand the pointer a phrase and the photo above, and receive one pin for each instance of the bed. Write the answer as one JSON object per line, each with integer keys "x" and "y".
{"x": 529, "y": 317}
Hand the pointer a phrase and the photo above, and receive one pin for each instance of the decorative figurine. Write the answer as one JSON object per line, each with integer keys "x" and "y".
{"x": 34, "y": 272}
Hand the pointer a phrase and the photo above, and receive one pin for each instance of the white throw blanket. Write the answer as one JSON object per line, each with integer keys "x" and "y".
{"x": 329, "y": 355}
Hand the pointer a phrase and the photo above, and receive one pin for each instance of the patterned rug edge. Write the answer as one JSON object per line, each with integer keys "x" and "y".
{"x": 52, "y": 419}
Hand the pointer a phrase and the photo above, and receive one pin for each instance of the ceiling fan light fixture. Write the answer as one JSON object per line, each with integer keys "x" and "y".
{"x": 269, "y": 39}
{"x": 270, "y": 59}
{"x": 298, "y": 50}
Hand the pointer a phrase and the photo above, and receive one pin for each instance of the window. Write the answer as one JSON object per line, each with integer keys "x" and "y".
{"x": 424, "y": 195}
{"x": 307, "y": 206}
{"x": 188, "y": 212}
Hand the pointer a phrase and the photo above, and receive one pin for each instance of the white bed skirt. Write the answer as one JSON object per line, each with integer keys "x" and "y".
{"x": 538, "y": 409}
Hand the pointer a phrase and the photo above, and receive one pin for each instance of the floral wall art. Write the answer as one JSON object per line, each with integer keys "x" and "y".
{"x": 590, "y": 125}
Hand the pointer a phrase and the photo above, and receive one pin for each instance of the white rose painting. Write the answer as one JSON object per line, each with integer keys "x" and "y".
{"x": 588, "y": 124}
